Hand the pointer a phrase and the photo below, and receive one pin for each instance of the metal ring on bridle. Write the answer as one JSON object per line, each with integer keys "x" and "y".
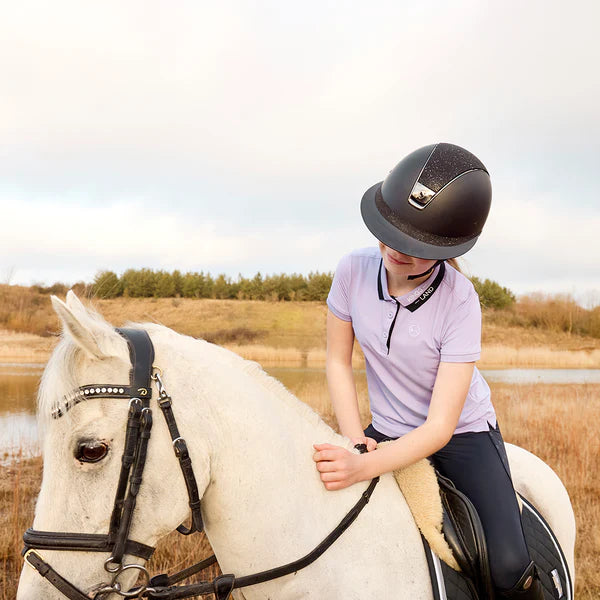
{"x": 157, "y": 375}
{"x": 111, "y": 560}
{"x": 134, "y": 592}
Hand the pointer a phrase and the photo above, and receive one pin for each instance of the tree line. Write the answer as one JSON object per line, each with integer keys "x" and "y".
{"x": 146, "y": 283}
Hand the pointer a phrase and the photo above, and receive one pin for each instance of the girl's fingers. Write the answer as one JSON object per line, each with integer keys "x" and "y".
{"x": 322, "y": 446}
{"x": 332, "y": 486}
{"x": 328, "y": 477}
{"x": 326, "y": 466}
{"x": 324, "y": 455}
{"x": 327, "y": 452}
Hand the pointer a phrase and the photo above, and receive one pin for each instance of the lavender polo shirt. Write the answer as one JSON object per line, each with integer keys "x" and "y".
{"x": 404, "y": 339}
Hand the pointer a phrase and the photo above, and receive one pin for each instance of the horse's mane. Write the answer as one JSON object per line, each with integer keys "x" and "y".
{"x": 251, "y": 368}
{"x": 59, "y": 379}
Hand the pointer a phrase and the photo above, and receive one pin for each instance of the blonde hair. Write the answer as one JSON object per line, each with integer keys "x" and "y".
{"x": 453, "y": 262}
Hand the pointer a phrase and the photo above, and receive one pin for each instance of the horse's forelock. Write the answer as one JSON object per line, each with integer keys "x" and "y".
{"x": 58, "y": 379}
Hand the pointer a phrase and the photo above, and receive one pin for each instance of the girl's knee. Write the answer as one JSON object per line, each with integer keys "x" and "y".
{"x": 508, "y": 568}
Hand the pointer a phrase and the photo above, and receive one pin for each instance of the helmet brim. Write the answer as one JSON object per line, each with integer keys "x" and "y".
{"x": 400, "y": 241}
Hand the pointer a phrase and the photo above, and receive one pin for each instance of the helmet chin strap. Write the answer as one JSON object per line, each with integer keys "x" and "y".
{"x": 438, "y": 262}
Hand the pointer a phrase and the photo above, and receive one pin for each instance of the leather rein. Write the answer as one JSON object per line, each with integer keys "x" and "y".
{"x": 116, "y": 542}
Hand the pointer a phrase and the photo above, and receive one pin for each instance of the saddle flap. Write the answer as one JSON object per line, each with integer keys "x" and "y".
{"x": 464, "y": 533}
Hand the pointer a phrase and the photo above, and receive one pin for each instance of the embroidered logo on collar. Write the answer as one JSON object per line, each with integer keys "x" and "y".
{"x": 422, "y": 296}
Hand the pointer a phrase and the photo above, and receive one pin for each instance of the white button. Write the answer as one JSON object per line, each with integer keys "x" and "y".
{"x": 384, "y": 335}
{"x": 390, "y": 315}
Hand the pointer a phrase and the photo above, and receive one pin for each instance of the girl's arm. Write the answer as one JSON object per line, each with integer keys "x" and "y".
{"x": 340, "y": 468}
{"x": 340, "y": 379}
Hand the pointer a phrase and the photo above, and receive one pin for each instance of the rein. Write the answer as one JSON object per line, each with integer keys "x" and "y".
{"x": 117, "y": 542}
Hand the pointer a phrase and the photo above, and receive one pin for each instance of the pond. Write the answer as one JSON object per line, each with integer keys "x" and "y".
{"x": 19, "y": 383}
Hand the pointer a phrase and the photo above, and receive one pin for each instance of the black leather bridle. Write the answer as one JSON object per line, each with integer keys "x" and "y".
{"x": 117, "y": 542}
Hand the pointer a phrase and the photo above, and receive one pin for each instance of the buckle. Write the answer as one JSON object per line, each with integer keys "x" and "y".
{"x": 26, "y": 558}
{"x": 180, "y": 447}
{"x": 164, "y": 401}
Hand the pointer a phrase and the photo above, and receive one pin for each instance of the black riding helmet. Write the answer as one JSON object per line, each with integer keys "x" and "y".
{"x": 433, "y": 204}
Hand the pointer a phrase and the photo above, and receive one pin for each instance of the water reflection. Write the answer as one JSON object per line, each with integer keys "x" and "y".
{"x": 18, "y": 390}
{"x": 19, "y": 383}
{"x": 542, "y": 375}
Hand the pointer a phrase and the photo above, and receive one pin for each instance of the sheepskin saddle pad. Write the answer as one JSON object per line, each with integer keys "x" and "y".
{"x": 452, "y": 531}
{"x": 448, "y": 521}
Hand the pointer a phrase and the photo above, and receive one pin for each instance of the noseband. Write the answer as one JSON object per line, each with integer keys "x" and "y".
{"x": 116, "y": 542}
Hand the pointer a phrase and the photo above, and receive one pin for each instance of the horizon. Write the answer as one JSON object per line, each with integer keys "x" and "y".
{"x": 589, "y": 302}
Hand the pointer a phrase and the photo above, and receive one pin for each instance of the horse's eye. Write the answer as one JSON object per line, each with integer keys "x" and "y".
{"x": 91, "y": 451}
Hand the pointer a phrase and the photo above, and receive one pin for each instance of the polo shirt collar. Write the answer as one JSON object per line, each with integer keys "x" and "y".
{"x": 415, "y": 298}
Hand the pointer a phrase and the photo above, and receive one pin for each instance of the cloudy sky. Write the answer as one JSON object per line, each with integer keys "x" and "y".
{"x": 238, "y": 137}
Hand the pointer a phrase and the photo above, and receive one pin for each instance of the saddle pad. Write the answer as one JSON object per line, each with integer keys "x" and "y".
{"x": 419, "y": 486}
{"x": 544, "y": 549}
{"x": 547, "y": 554}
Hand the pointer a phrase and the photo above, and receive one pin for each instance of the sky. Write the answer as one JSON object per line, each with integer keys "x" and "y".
{"x": 238, "y": 137}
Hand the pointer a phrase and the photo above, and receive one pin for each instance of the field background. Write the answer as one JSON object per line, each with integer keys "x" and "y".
{"x": 534, "y": 332}
{"x": 557, "y": 422}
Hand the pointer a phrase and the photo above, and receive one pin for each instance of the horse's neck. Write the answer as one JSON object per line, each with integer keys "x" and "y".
{"x": 263, "y": 480}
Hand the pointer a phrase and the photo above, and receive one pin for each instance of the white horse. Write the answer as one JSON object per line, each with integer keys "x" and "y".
{"x": 250, "y": 441}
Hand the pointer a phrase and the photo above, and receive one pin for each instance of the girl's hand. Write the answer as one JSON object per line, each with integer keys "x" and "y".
{"x": 339, "y": 468}
{"x": 370, "y": 442}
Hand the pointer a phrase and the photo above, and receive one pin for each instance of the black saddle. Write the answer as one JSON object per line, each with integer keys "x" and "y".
{"x": 464, "y": 533}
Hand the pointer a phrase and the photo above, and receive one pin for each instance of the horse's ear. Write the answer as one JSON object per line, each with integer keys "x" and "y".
{"x": 96, "y": 337}
{"x": 74, "y": 303}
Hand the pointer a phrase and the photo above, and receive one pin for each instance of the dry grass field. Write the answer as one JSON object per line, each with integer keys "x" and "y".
{"x": 284, "y": 333}
{"x": 557, "y": 422}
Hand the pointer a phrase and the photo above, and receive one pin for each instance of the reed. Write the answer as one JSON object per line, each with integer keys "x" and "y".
{"x": 558, "y": 423}
{"x": 499, "y": 356}
{"x": 25, "y": 347}
{"x": 271, "y": 356}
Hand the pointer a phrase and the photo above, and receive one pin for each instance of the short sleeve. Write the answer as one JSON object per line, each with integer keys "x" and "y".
{"x": 338, "y": 299}
{"x": 461, "y": 338}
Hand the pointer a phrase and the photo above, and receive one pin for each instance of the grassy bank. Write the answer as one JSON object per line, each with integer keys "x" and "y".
{"x": 556, "y": 422}
{"x": 291, "y": 333}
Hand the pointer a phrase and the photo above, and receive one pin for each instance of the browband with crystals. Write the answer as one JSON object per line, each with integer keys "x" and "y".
{"x": 98, "y": 391}
{"x": 141, "y": 354}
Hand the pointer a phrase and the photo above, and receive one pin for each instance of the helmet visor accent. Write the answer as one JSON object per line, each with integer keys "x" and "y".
{"x": 423, "y": 236}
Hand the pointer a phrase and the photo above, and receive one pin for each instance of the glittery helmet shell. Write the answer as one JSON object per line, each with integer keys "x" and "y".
{"x": 433, "y": 203}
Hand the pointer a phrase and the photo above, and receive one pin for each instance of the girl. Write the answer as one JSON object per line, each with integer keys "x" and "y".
{"x": 418, "y": 321}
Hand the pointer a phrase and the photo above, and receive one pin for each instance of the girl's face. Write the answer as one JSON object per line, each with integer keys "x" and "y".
{"x": 401, "y": 264}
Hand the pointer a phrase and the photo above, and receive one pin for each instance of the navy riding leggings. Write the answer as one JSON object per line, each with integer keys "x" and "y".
{"x": 477, "y": 465}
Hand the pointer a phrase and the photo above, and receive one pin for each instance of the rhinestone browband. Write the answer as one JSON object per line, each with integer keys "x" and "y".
{"x": 98, "y": 391}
